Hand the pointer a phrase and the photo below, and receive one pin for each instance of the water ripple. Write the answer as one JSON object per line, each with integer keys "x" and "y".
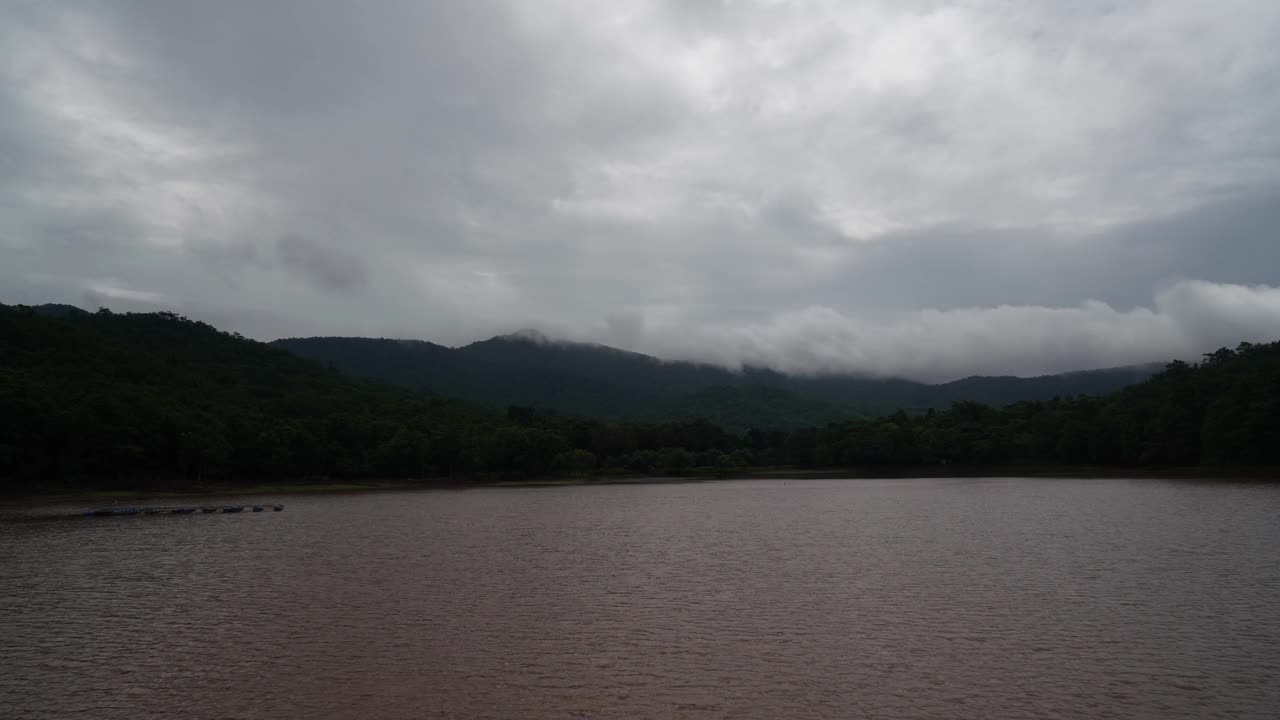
{"x": 771, "y": 599}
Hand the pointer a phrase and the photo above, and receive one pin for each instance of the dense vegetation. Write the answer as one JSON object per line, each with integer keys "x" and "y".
{"x": 527, "y": 369}
{"x": 1221, "y": 413}
{"x": 110, "y": 400}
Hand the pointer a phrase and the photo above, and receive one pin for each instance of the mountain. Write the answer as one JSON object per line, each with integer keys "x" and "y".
{"x": 129, "y": 401}
{"x": 58, "y": 310}
{"x": 126, "y": 400}
{"x": 526, "y": 369}
{"x": 1004, "y": 390}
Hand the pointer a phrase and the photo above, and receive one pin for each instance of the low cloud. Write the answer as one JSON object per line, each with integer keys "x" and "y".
{"x": 1186, "y": 319}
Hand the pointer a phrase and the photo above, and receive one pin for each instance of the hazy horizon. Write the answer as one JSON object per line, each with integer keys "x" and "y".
{"x": 921, "y": 189}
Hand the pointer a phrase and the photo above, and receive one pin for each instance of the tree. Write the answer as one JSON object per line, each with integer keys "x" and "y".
{"x": 674, "y": 461}
{"x": 574, "y": 463}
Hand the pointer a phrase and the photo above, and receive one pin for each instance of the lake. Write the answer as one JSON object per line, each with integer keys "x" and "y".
{"x": 930, "y": 598}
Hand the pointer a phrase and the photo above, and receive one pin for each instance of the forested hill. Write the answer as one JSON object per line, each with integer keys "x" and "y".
{"x": 1221, "y": 413}
{"x": 525, "y": 369}
{"x": 156, "y": 400}
{"x": 121, "y": 398}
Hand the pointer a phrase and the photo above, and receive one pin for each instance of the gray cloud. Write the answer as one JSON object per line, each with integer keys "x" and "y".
{"x": 938, "y": 345}
{"x": 805, "y": 185}
{"x": 331, "y": 269}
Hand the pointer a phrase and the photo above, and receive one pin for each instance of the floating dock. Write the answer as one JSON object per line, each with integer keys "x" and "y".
{"x": 177, "y": 509}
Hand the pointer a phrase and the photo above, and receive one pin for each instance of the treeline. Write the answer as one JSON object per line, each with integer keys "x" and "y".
{"x": 129, "y": 400}
{"x": 1221, "y": 413}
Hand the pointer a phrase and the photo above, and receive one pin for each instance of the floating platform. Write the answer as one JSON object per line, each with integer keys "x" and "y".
{"x": 175, "y": 510}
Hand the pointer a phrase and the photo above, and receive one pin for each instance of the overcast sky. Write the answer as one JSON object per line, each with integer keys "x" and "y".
{"x": 901, "y": 187}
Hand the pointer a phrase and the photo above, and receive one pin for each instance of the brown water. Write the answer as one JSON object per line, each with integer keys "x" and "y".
{"x": 757, "y": 599}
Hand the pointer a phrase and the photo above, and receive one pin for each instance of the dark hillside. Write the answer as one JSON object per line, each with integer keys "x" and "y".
{"x": 584, "y": 379}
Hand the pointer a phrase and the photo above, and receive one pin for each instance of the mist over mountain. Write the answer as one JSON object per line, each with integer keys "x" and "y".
{"x": 528, "y": 369}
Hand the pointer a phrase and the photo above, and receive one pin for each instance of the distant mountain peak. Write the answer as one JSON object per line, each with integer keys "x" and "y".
{"x": 60, "y": 310}
{"x": 527, "y": 335}
{"x": 539, "y": 339}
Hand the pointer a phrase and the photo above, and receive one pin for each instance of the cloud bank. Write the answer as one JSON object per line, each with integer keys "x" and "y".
{"x": 915, "y": 188}
{"x": 1186, "y": 320}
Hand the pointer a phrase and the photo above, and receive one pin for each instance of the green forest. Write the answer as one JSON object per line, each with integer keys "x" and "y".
{"x": 104, "y": 400}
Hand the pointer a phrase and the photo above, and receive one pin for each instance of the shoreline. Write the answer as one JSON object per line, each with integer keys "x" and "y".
{"x": 853, "y": 473}
{"x": 1091, "y": 473}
